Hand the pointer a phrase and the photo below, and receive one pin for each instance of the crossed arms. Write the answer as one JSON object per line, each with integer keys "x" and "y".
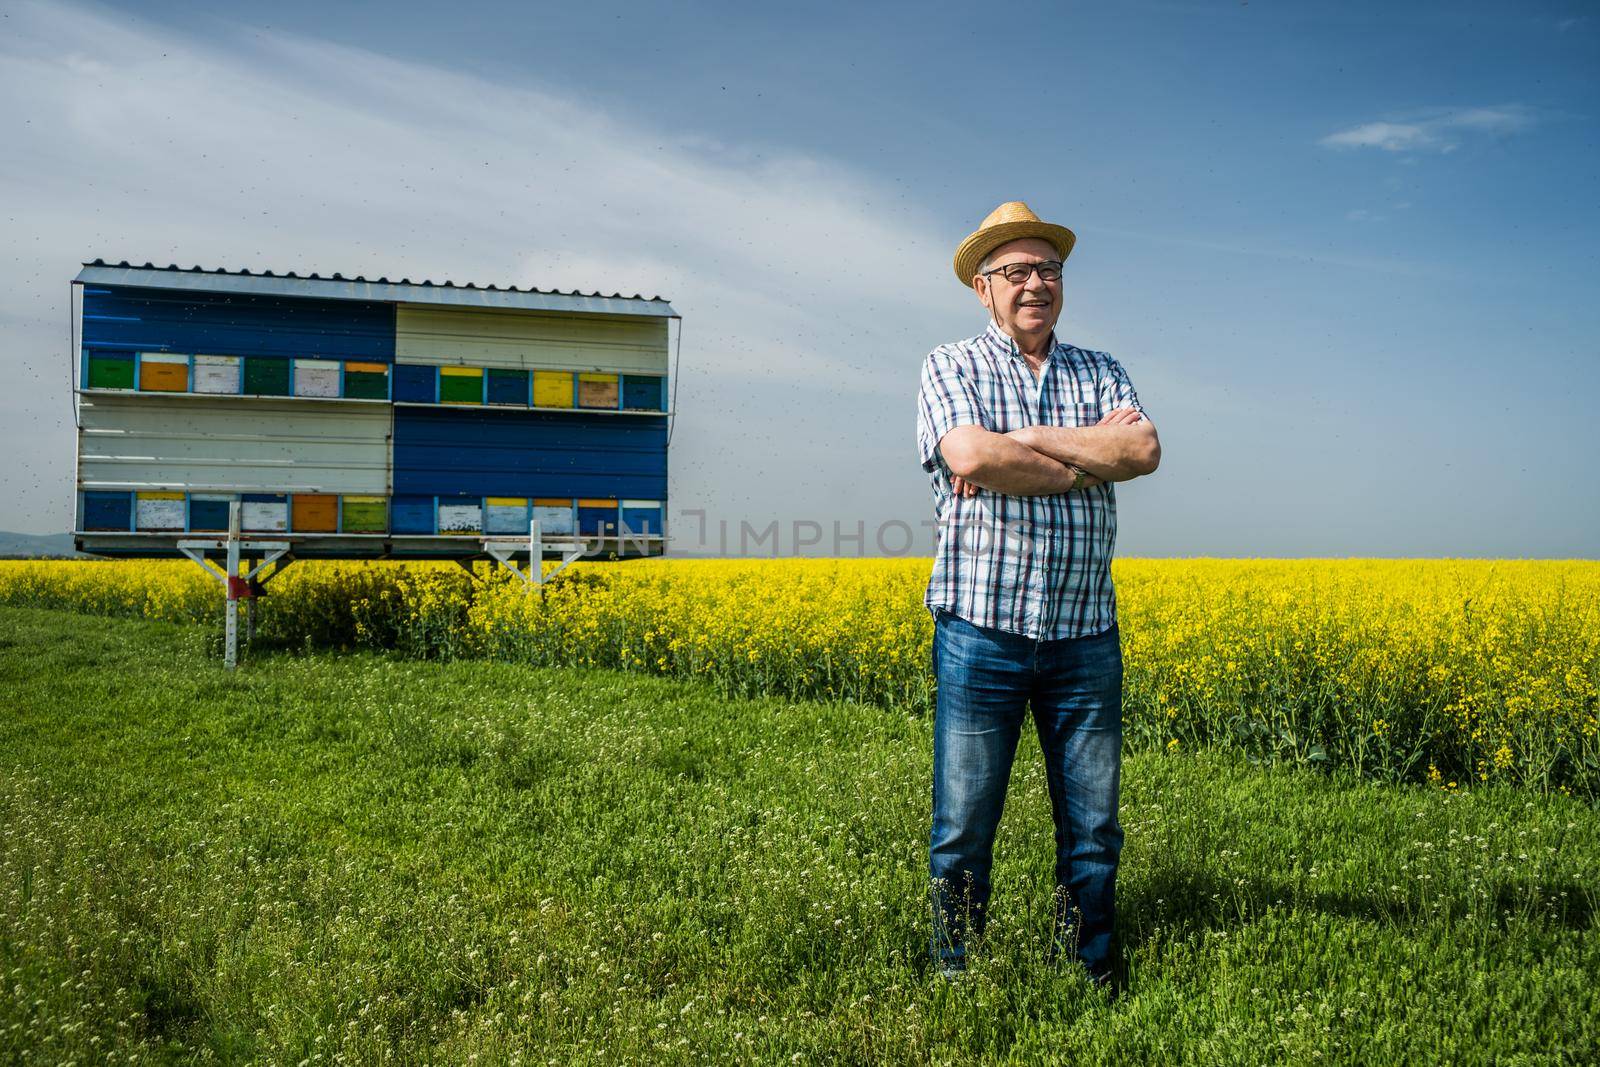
{"x": 1040, "y": 460}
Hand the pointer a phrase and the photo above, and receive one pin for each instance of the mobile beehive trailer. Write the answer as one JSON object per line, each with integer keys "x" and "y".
{"x": 347, "y": 418}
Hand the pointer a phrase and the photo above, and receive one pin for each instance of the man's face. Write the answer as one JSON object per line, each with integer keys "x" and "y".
{"x": 1029, "y": 308}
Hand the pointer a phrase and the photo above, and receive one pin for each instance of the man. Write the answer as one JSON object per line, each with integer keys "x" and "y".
{"x": 1023, "y": 436}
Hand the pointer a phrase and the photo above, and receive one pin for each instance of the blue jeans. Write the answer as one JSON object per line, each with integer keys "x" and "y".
{"x": 986, "y": 680}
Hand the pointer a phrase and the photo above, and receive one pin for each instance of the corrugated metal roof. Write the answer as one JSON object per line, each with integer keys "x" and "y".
{"x": 338, "y": 287}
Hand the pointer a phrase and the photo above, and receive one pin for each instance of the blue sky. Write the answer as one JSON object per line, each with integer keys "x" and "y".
{"x": 1345, "y": 251}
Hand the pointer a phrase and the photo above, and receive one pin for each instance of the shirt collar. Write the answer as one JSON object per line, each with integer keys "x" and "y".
{"x": 1005, "y": 343}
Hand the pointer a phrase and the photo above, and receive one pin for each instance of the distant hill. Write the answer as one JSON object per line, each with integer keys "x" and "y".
{"x": 29, "y": 546}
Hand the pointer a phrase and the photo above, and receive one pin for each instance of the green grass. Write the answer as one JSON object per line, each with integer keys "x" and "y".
{"x": 348, "y": 858}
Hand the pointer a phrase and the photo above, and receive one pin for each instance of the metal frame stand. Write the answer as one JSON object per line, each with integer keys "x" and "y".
{"x": 238, "y": 576}
{"x": 505, "y": 553}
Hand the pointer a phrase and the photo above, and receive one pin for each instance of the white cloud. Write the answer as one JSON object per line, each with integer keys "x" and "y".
{"x": 1510, "y": 119}
{"x": 1440, "y": 131}
{"x": 1389, "y": 136}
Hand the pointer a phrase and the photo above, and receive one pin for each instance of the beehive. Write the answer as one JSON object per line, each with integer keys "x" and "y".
{"x": 362, "y": 417}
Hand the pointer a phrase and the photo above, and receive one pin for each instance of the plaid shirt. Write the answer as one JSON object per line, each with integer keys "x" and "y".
{"x": 1033, "y": 565}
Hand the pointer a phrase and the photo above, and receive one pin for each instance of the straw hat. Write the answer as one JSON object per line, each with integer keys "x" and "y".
{"x": 1008, "y": 222}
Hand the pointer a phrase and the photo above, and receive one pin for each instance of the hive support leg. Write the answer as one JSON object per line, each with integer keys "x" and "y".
{"x": 533, "y": 576}
{"x": 251, "y": 583}
{"x": 536, "y": 554}
{"x": 278, "y": 559}
{"x": 230, "y": 648}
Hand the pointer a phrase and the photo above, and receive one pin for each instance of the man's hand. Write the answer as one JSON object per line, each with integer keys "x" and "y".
{"x": 983, "y": 459}
{"x": 965, "y": 488}
{"x": 1112, "y": 457}
{"x": 1121, "y": 416}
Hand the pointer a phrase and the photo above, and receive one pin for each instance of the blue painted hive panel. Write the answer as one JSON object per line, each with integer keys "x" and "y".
{"x": 508, "y": 386}
{"x": 416, "y": 384}
{"x": 598, "y": 519}
{"x": 451, "y": 451}
{"x": 107, "y": 511}
{"x": 644, "y": 392}
{"x": 641, "y": 519}
{"x": 209, "y": 512}
{"x": 235, "y": 324}
{"x": 411, "y": 515}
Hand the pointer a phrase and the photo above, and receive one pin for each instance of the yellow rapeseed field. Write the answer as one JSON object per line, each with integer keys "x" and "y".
{"x": 1427, "y": 670}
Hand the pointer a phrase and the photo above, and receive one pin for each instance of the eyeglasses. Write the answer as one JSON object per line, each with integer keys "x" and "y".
{"x": 1018, "y": 273}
